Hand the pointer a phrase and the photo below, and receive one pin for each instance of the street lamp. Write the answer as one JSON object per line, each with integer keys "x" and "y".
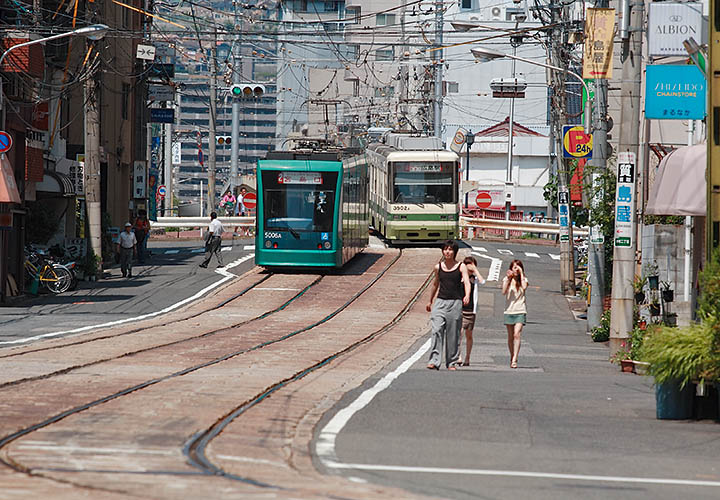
{"x": 93, "y": 32}
{"x": 469, "y": 141}
{"x": 485, "y": 55}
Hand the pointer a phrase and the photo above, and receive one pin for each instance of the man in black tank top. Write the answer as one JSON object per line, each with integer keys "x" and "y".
{"x": 451, "y": 289}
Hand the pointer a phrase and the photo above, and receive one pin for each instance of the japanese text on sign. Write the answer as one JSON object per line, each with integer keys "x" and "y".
{"x": 624, "y": 202}
{"x": 299, "y": 178}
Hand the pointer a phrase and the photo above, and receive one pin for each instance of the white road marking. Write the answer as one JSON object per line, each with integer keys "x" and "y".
{"x": 554, "y": 256}
{"x": 325, "y": 445}
{"x": 479, "y": 249}
{"x": 168, "y": 252}
{"x": 225, "y": 249}
{"x": 532, "y": 254}
{"x": 223, "y": 271}
{"x": 504, "y": 251}
{"x": 495, "y": 265}
{"x": 530, "y": 474}
{"x": 198, "y": 250}
{"x": 249, "y": 247}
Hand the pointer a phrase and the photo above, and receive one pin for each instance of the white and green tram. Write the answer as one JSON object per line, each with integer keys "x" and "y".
{"x": 413, "y": 189}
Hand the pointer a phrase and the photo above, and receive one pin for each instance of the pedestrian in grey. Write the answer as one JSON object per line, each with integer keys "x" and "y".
{"x": 213, "y": 241}
{"x": 127, "y": 248}
{"x": 451, "y": 289}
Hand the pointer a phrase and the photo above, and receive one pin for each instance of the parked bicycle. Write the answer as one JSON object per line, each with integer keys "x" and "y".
{"x": 51, "y": 275}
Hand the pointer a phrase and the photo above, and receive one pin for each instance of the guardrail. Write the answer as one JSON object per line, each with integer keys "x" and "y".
{"x": 465, "y": 222}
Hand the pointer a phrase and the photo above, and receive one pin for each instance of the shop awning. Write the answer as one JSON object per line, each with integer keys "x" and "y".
{"x": 679, "y": 187}
{"x": 56, "y": 182}
{"x": 8, "y": 188}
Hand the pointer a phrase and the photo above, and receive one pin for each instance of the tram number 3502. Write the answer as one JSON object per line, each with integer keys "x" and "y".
{"x": 270, "y": 236}
{"x": 400, "y": 207}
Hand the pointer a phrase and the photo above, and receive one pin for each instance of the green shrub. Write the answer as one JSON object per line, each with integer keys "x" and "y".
{"x": 601, "y": 333}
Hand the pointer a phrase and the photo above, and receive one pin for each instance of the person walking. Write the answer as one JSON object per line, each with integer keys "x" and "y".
{"x": 469, "y": 311}
{"x": 514, "y": 285}
{"x": 126, "y": 248}
{"x": 241, "y": 210}
{"x": 451, "y": 289}
{"x": 228, "y": 203}
{"x": 142, "y": 233}
{"x": 213, "y": 241}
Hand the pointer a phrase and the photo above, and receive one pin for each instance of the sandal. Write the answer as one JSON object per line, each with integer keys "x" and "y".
{"x": 513, "y": 364}
{"x": 433, "y": 367}
{"x": 466, "y": 363}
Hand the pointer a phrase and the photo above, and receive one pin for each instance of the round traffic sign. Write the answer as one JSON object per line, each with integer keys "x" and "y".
{"x": 459, "y": 138}
{"x": 577, "y": 143}
{"x": 5, "y": 142}
{"x": 161, "y": 190}
{"x": 250, "y": 200}
{"x": 483, "y": 200}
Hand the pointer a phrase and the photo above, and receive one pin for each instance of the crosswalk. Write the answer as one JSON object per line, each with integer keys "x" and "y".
{"x": 175, "y": 251}
{"x": 510, "y": 253}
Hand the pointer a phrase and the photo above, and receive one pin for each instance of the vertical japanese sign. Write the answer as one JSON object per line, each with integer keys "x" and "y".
{"x": 564, "y": 214}
{"x": 624, "y": 202}
{"x": 153, "y": 178}
{"x": 139, "y": 180}
{"x": 598, "y": 51}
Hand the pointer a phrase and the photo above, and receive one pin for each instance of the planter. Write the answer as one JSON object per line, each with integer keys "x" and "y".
{"x": 654, "y": 309}
{"x": 639, "y": 297}
{"x": 653, "y": 282}
{"x": 641, "y": 367}
{"x": 670, "y": 320}
{"x": 668, "y": 295}
{"x": 672, "y": 402}
{"x": 627, "y": 365}
{"x": 642, "y": 324}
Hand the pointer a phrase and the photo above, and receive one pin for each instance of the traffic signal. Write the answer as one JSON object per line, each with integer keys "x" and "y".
{"x": 247, "y": 90}
{"x": 224, "y": 140}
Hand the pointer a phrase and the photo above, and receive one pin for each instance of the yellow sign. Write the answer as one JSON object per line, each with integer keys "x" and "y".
{"x": 598, "y": 52}
{"x": 576, "y": 143}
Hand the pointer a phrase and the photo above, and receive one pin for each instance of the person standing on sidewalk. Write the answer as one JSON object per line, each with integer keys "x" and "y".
{"x": 213, "y": 241}
{"x": 142, "y": 233}
{"x": 451, "y": 289}
{"x": 126, "y": 247}
{"x": 513, "y": 287}
{"x": 470, "y": 310}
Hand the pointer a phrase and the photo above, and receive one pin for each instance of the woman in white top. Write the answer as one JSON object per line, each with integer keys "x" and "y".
{"x": 513, "y": 287}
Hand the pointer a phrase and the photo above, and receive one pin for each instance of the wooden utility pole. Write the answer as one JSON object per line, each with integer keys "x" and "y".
{"x": 213, "y": 123}
{"x": 437, "y": 56}
{"x": 93, "y": 224}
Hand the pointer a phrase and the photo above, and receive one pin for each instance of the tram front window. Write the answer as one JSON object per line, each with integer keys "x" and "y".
{"x": 423, "y": 182}
{"x": 299, "y": 201}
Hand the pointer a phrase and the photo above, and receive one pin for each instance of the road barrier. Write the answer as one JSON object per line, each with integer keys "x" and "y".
{"x": 189, "y": 222}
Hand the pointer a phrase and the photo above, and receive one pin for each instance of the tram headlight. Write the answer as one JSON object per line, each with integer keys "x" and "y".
{"x": 268, "y": 243}
{"x": 327, "y": 245}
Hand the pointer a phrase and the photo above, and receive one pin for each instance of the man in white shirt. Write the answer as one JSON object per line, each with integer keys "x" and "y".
{"x": 126, "y": 247}
{"x": 213, "y": 241}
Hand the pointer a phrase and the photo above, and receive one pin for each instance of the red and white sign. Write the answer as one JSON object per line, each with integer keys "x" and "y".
{"x": 494, "y": 199}
{"x": 5, "y": 142}
{"x": 250, "y": 200}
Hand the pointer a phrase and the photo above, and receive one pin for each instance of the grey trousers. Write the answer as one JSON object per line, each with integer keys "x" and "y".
{"x": 213, "y": 248}
{"x": 446, "y": 323}
{"x": 126, "y": 255}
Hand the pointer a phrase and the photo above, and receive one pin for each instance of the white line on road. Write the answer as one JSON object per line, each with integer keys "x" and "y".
{"x": 512, "y": 473}
{"x": 325, "y": 445}
{"x": 532, "y": 254}
{"x": 479, "y": 249}
{"x": 223, "y": 271}
{"x": 198, "y": 250}
{"x": 504, "y": 251}
{"x": 249, "y": 247}
{"x": 495, "y": 265}
{"x": 168, "y": 252}
{"x": 225, "y": 249}
{"x": 554, "y": 256}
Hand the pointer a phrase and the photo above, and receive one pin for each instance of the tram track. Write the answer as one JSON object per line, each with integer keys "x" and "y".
{"x": 8, "y": 439}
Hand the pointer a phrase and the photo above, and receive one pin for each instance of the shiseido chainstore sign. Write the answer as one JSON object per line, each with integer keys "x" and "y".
{"x": 669, "y": 24}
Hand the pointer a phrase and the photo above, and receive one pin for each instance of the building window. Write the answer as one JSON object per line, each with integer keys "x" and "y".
{"x": 352, "y": 13}
{"x": 466, "y": 4}
{"x": 452, "y": 87}
{"x": 384, "y": 55}
{"x": 384, "y": 19}
{"x": 353, "y": 51}
{"x": 125, "y": 100}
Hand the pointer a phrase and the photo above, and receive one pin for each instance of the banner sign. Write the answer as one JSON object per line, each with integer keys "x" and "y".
{"x": 139, "y": 180}
{"x": 564, "y": 215}
{"x": 162, "y": 115}
{"x": 598, "y": 51}
{"x": 674, "y": 92}
{"x": 624, "y": 200}
{"x": 669, "y": 24}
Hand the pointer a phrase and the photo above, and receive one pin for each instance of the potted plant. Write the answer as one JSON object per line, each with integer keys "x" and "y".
{"x": 651, "y": 271}
{"x": 622, "y": 358}
{"x": 638, "y": 285}
{"x": 668, "y": 295}
{"x": 601, "y": 333}
{"x": 654, "y": 307}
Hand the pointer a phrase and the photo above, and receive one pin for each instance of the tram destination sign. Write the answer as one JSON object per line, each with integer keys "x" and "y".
{"x": 421, "y": 167}
{"x": 299, "y": 178}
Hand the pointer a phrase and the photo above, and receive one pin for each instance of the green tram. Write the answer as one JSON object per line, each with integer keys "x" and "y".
{"x": 413, "y": 189}
{"x": 312, "y": 209}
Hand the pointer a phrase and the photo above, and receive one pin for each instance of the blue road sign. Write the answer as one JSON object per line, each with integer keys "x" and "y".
{"x": 162, "y": 115}
{"x": 5, "y": 142}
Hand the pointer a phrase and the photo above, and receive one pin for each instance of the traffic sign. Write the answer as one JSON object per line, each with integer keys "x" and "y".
{"x": 576, "y": 143}
{"x": 458, "y": 141}
{"x": 5, "y": 142}
{"x": 250, "y": 200}
{"x": 161, "y": 190}
{"x": 483, "y": 199}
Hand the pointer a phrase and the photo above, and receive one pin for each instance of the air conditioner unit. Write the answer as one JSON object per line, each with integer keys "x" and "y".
{"x": 496, "y": 14}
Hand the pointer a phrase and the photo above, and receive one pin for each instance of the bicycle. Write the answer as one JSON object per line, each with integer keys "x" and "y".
{"x": 55, "y": 277}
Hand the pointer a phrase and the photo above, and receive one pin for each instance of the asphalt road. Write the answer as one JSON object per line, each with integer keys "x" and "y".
{"x": 565, "y": 424}
{"x": 171, "y": 275}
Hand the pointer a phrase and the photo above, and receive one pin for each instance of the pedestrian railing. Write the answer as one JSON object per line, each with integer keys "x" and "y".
{"x": 190, "y": 222}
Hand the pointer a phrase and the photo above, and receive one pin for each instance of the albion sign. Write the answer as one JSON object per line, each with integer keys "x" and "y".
{"x": 670, "y": 23}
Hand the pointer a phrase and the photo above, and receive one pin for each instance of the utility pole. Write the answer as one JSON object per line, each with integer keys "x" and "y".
{"x": 169, "y": 168}
{"x": 213, "y": 123}
{"x": 235, "y": 133}
{"x": 93, "y": 225}
{"x": 567, "y": 265}
{"x": 624, "y": 256}
{"x": 438, "y": 66}
{"x": 596, "y": 245}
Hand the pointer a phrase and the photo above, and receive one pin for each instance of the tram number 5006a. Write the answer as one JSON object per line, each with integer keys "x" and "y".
{"x": 270, "y": 236}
